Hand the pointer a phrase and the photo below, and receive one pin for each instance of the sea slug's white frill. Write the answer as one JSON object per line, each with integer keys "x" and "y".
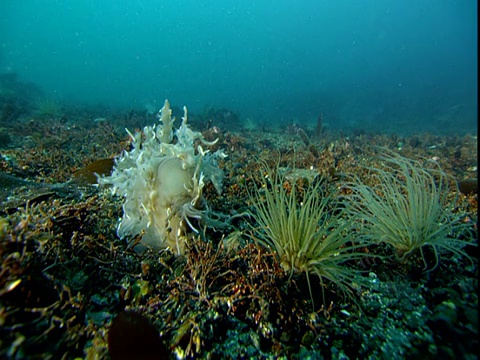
{"x": 162, "y": 180}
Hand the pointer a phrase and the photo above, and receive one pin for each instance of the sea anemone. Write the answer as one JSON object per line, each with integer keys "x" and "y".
{"x": 309, "y": 233}
{"x": 409, "y": 207}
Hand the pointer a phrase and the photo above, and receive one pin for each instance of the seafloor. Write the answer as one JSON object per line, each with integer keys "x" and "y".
{"x": 65, "y": 274}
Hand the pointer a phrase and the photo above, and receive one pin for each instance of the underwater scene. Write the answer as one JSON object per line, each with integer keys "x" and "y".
{"x": 238, "y": 179}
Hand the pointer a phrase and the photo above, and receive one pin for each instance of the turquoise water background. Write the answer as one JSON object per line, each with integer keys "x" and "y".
{"x": 393, "y": 63}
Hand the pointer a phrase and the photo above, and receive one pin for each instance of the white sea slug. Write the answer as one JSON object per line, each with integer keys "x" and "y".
{"x": 161, "y": 180}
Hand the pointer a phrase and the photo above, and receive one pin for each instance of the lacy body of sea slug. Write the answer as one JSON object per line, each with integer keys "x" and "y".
{"x": 161, "y": 180}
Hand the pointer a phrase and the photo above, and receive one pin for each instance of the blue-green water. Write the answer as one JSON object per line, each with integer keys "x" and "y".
{"x": 381, "y": 64}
